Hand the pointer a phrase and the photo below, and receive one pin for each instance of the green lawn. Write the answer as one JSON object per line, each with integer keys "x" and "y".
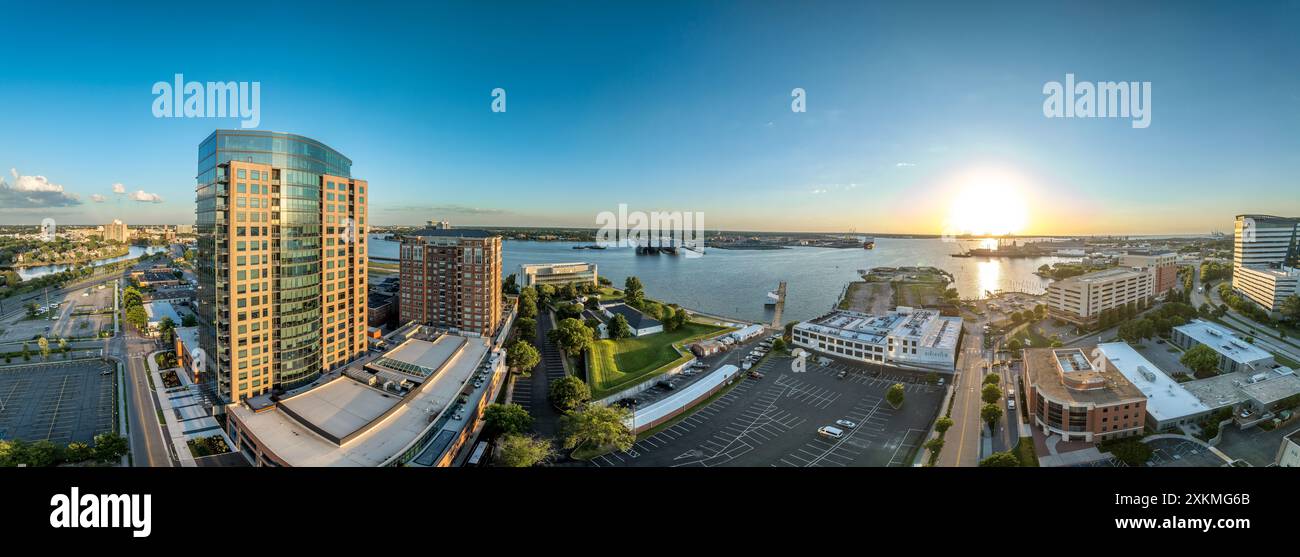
{"x": 616, "y": 364}
{"x": 1025, "y": 452}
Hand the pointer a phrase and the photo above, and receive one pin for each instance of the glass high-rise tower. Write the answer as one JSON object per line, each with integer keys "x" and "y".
{"x": 281, "y": 261}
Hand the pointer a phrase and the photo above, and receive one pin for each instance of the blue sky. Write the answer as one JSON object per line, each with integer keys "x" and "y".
{"x": 673, "y": 106}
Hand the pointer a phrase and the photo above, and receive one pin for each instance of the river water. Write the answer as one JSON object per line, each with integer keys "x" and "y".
{"x": 132, "y": 252}
{"x": 735, "y": 282}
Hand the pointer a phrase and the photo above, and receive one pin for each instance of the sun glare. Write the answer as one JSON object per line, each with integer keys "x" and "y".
{"x": 988, "y": 203}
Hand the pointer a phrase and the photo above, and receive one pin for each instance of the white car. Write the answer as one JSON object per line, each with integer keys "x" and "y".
{"x": 830, "y": 431}
{"x": 845, "y": 424}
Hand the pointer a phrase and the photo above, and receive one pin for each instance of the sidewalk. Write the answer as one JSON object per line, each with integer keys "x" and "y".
{"x": 183, "y": 411}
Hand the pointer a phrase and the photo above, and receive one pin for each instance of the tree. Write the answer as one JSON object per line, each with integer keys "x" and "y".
{"x": 597, "y": 426}
{"x": 778, "y": 345}
{"x": 633, "y": 291}
{"x": 31, "y": 309}
{"x": 1291, "y": 307}
{"x": 132, "y": 297}
{"x": 992, "y": 379}
{"x": 991, "y": 413}
{"x": 1132, "y": 452}
{"x": 1014, "y": 345}
{"x": 27, "y": 352}
{"x": 618, "y": 327}
{"x": 934, "y": 445}
{"x": 63, "y": 347}
{"x": 165, "y": 328}
{"x": 43, "y": 453}
{"x": 526, "y": 327}
{"x": 573, "y": 336}
{"x": 1201, "y": 359}
{"x": 568, "y": 393}
{"x": 523, "y": 451}
{"x": 109, "y": 445}
{"x": 44, "y": 344}
{"x": 510, "y": 285}
{"x": 528, "y": 305}
{"x": 189, "y": 321}
{"x": 991, "y": 394}
{"x": 136, "y": 316}
{"x": 522, "y": 356}
{"x": 569, "y": 311}
{"x": 1000, "y": 460}
{"x": 506, "y": 419}
{"x": 942, "y": 424}
{"x": 668, "y": 316}
{"x": 895, "y": 395}
{"x": 78, "y": 452}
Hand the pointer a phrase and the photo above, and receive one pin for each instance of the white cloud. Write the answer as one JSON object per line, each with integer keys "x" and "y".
{"x": 119, "y": 189}
{"x": 34, "y": 192}
{"x": 145, "y": 197}
{"x": 96, "y": 198}
{"x": 905, "y": 164}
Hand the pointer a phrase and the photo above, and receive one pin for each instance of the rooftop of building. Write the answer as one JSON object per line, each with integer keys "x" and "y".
{"x": 1277, "y": 271}
{"x": 1066, "y": 375}
{"x": 157, "y": 310}
{"x": 1223, "y": 341}
{"x": 347, "y": 423}
{"x": 452, "y": 233}
{"x": 635, "y": 318}
{"x": 1103, "y": 275}
{"x": 1166, "y": 398}
{"x": 541, "y": 266}
{"x": 189, "y": 337}
{"x": 1266, "y": 387}
{"x": 926, "y": 326}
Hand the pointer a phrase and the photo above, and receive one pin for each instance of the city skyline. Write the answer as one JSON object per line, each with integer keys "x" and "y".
{"x": 695, "y": 119}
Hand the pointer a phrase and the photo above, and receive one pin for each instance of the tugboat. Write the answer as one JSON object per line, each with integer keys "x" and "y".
{"x": 869, "y": 243}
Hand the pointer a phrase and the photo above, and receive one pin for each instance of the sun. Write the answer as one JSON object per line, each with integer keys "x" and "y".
{"x": 987, "y": 203}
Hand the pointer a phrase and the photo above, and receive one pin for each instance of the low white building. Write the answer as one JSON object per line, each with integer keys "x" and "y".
{"x": 533, "y": 274}
{"x": 157, "y": 311}
{"x": 747, "y": 333}
{"x": 1235, "y": 354}
{"x": 1169, "y": 405}
{"x": 916, "y": 338}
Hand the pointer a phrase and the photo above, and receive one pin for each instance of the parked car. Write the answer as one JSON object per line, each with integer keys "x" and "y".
{"x": 842, "y": 374}
{"x": 1011, "y": 404}
{"x": 755, "y": 375}
{"x": 846, "y": 424}
{"x": 830, "y": 431}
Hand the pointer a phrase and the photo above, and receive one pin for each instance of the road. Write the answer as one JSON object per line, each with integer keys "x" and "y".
{"x": 962, "y": 441}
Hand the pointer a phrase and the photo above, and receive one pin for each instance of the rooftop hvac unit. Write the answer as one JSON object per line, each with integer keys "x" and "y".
{"x": 389, "y": 385}
{"x": 1147, "y": 374}
{"x": 374, "y": 380}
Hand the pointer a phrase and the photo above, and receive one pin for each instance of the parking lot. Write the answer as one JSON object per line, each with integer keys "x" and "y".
{"x": 773, "y": 421}
{"x": 62, "y": 402}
